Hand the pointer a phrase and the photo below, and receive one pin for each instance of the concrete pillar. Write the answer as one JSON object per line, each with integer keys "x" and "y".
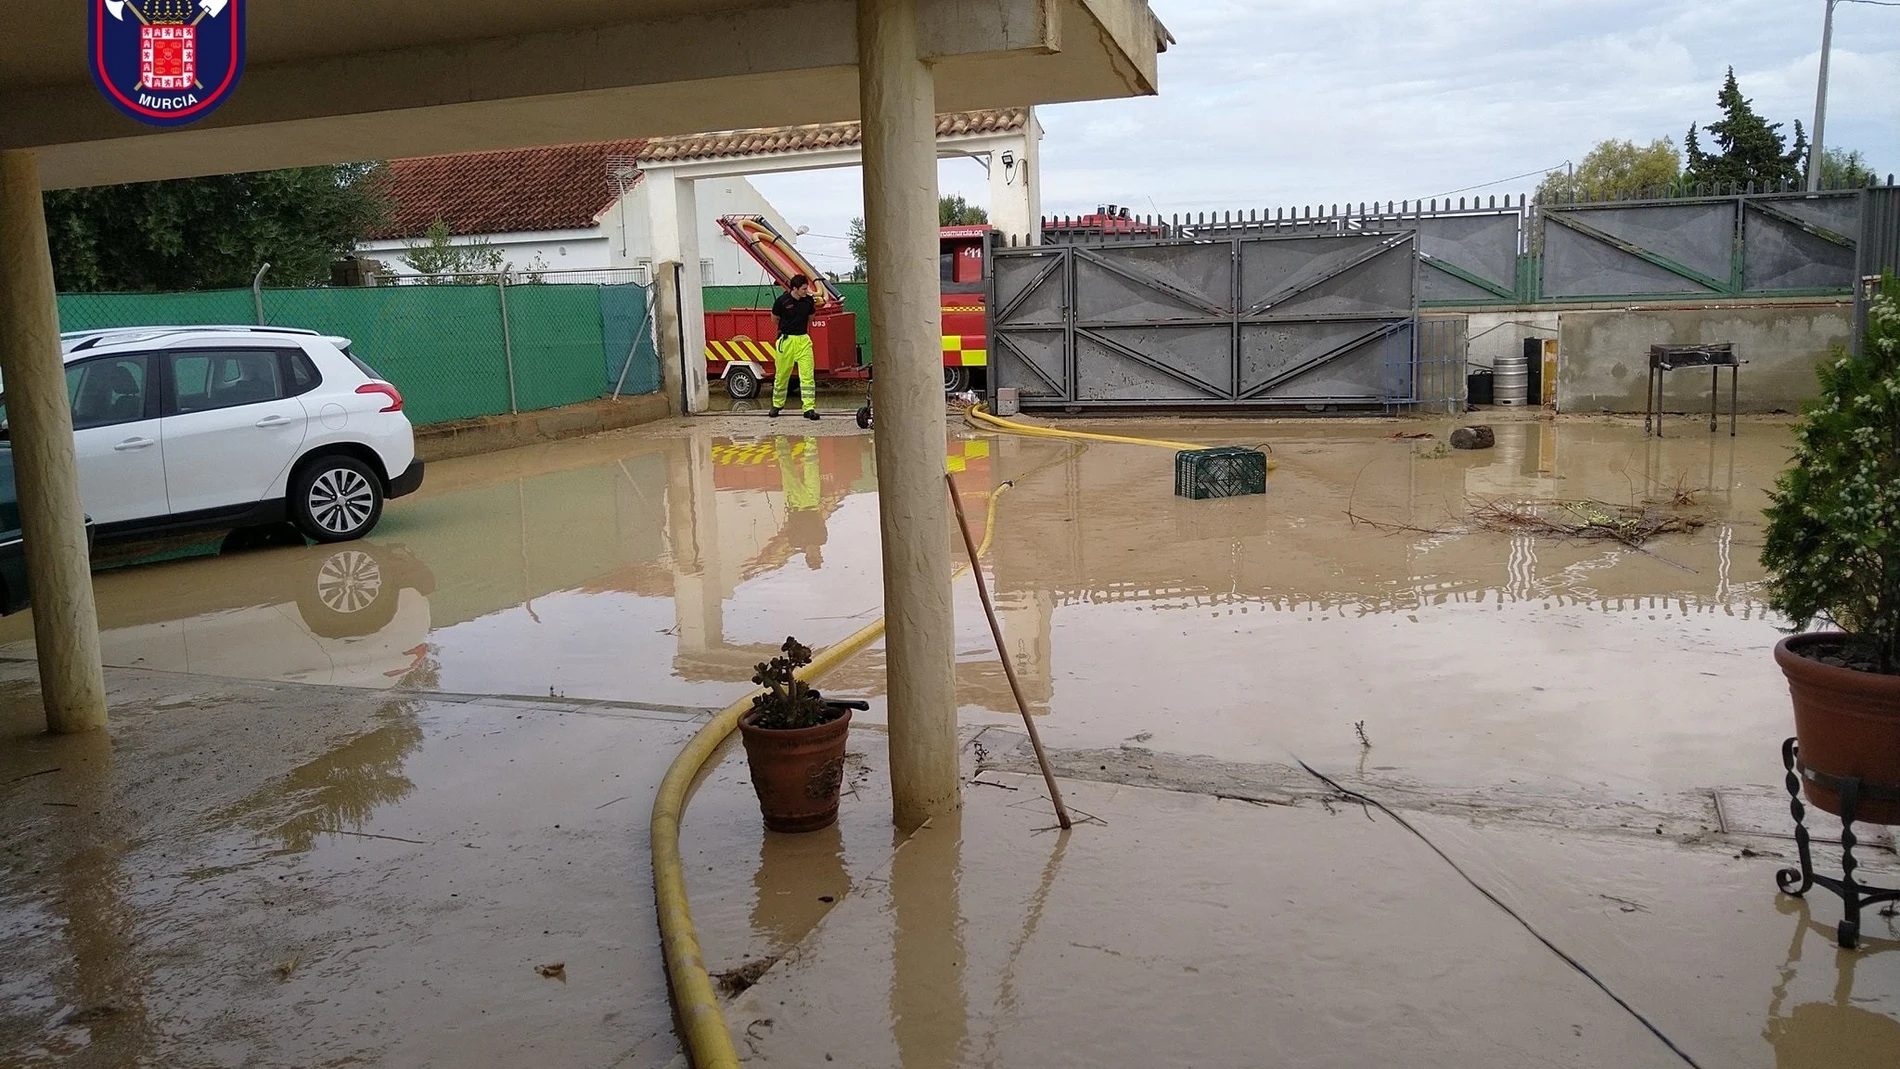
{"x": 673, "y": 220}
{"x": 1016, "y": 188}
{"x": 40, "y": 422}
{"x": 666, "y": 337}
{"x": 898, "y": 101}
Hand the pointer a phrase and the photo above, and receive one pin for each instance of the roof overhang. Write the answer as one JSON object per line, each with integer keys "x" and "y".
{"x": 337, "y": 80}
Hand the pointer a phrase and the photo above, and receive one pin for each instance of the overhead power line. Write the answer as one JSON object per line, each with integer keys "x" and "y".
{"x": 1515, "y": 177}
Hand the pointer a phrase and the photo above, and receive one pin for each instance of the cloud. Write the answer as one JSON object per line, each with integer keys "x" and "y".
{"x": 1309, "y": 101}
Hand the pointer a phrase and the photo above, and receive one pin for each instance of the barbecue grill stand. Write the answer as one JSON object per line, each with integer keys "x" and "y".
{"x": 1671, "y": 357}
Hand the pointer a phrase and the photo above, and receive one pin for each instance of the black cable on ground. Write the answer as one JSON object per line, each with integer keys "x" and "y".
{"x": 1513, "y": 914}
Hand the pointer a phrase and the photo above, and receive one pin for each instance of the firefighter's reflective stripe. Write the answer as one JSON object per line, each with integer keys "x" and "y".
{"x": 969, "y": 349}
{"x": 740, "y": 349}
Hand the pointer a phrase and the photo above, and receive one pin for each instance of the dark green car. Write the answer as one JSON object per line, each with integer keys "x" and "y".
{"x": 13, "y": 595}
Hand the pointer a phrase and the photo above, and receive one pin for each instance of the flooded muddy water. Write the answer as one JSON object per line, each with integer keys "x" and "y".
{"x": 1355, "y": 596}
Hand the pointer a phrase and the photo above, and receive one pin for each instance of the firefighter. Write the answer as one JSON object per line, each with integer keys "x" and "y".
{"x": 794, "y": 309}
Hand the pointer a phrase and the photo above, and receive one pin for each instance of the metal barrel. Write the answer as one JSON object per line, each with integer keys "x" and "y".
{"x": 1510, "y": 383}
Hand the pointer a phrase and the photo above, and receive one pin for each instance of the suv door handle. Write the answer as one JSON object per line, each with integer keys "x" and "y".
{"x": 134, "y": 443}
{"x": 274, "y": 421}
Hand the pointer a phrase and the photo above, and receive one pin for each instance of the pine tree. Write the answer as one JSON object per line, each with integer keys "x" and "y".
{"x": 1751, "y": 149}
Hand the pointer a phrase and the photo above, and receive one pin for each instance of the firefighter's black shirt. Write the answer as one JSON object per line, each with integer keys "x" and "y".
{"x": 794, "y": 314}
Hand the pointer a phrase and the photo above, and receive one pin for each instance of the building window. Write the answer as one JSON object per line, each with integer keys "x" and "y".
{"x": 706, "y": 273}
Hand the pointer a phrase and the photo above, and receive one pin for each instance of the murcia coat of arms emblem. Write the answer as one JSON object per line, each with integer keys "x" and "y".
{"x": 167, "y": 62}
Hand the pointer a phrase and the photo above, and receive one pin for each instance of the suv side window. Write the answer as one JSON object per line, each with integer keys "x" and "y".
{"x": 108, "y": 390}
{"x": 204, "y": 380}
{"x": 300, "y": 372}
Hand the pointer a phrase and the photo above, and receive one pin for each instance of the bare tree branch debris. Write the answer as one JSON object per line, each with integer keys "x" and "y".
{"x": 1580, "y": 520}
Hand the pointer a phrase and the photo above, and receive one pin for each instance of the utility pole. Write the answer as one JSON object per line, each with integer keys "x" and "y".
{"x": 1815, "y": 149}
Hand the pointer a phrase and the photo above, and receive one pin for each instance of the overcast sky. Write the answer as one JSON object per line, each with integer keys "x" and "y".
{"x": 1269, "y": 103}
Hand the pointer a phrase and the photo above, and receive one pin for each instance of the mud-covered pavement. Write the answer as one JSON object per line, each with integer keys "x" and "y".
{"x": 337, "y": 771}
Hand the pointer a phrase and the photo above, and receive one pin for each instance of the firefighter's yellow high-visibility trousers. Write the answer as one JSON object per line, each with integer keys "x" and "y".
{"x": 794, "y": 350}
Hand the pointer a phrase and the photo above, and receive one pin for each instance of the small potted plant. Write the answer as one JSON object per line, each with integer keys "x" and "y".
{"x": 1832, "y": 552}
{"x": 794, "y": 743}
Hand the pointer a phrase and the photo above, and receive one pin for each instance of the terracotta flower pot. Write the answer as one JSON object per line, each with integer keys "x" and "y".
{"x": 1848, "y": 725}
{"x": 797, "y": 771}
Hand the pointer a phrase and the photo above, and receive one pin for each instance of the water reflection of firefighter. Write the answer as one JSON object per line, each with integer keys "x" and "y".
{"x": 800, "y": 476}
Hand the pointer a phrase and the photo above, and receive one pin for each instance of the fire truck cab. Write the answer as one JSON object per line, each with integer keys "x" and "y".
{"x": 963, "y": 274}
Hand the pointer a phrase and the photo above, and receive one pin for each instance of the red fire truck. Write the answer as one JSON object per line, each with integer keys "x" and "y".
{"x": 740, "y": 341}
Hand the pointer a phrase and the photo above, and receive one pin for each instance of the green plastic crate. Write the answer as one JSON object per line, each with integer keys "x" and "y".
{"x": 1230, "y": 471}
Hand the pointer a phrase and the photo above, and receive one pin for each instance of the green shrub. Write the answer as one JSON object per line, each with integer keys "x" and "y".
{"x": 1832, "y": 549}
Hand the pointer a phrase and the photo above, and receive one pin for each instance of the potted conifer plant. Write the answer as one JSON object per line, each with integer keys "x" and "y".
{"x": 1832, "y": 552}
{"x": 794, "y": 744}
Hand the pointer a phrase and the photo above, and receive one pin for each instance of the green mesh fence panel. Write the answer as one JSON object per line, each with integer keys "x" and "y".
{"x": 855, "y": 295}
{"x": 857, "y": 300}
{"x": 720, "y": 298}
{"x": 91, "y": 311}
{"x": 558, "y": 345}
{"x": 440, "y": 345}
{"x": 625, "y": 326}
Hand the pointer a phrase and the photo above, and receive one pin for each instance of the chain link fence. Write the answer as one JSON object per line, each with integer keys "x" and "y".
{"x": 458, "y": 348}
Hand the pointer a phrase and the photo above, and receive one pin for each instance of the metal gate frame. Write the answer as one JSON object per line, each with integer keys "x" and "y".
{"x": 1307, "y": 320}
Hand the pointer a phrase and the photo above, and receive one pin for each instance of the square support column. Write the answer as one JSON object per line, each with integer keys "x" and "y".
{"x": 673, "y": 221}
{"x": 898, "y": 98}
{"x": 46, "y": 471}
{"x": 1015, "y": 190}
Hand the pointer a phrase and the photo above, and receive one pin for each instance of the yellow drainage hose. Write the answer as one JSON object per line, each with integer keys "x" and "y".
{"x": 982, "y": 415}
{"x": 703, "y": 1024}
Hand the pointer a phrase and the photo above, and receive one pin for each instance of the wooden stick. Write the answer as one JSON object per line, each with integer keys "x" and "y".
{"x": 1009, "y": 670}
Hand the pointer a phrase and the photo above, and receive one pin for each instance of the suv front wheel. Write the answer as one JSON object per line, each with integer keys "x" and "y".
{"x": 335, "y": 499}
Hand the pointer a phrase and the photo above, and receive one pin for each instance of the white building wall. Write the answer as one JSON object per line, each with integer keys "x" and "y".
{"x": 730, "y": 265}
{"x": 622, "y": 238}
{"x": 545, "y": 250}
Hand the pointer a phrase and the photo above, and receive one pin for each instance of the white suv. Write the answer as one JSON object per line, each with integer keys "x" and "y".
{"x": 181, "y": 428}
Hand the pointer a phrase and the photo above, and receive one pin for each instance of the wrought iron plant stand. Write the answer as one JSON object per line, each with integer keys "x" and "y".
{"x": 1854, "y": 895}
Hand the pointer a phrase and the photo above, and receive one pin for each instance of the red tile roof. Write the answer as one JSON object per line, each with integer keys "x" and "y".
{"x": 776, "y": 139}
{"x": 559, "y": 188}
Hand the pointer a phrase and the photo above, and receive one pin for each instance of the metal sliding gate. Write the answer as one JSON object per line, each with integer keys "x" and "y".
{"x": 1779, "y": 244}
{"x": 1255, "y": 321}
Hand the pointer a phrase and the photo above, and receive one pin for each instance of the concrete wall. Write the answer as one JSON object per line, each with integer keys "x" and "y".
{"x": 491, "y": 434}
{"x": 1603, "y": 355}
